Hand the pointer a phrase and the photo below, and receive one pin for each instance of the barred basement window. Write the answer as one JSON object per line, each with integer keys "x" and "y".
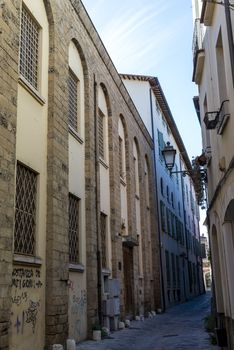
{"x": 73, "y": 100}
{"x": 29, "y": 45}
{"x": 73, "y": 229}
{"x": 101, "y": 133}
{"x": 25, "y": 211}
{"x": 103, "y": 239}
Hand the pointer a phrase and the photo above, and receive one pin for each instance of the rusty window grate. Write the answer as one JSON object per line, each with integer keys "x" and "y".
{"x": 25, "y": 210}
{"x": 29, "y": 45}
{"x": 101, "y": 134}
{"x": 73, "y": 229}
{"x": 103, "y": 239}
{"x": 73, "y": 100}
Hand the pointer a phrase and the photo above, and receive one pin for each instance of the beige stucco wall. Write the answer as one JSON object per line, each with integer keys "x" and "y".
{"x": 28, "y": 290}
{"x": 77, "y": 314}
{"x": 221, "y": 154}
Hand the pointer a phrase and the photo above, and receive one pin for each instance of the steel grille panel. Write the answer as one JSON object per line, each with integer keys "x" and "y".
{"x": 29, "y": 43}
{"x": 101, "y": 134}
{"x": 25, "y": 211}
{"x": 72, "y": 100}
{"x": 73, "y": 229}
{"x": 103, "y": 239}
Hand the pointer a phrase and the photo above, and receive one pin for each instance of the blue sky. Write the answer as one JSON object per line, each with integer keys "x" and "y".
{"x": 154, "y": 37}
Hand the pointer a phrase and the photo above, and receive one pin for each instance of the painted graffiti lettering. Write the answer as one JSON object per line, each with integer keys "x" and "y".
{"x": 19, "y": 299}
{"x": 31, "y": 313}
{"x": 26, "y": 278}
{"x": 78, "y": 303}
{"x": 26, "y": 273}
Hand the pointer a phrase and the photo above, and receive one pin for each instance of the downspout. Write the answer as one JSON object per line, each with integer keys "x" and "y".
{"x": 162, "y": 290}
{"x": 230, "y": 36}
{"x": 99, "y": 263}
{"x": 185, "y": 232}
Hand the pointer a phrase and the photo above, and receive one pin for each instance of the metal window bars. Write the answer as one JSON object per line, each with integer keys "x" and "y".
{"x": 25, "y": 211}
{"x": 29, "y": 45}
{"x": 73, "y": 229}
{"x": 72, "y": 100}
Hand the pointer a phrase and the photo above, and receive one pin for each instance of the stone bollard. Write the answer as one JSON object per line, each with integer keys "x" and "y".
{"x": 137, "y": 318}
{"x": 127, "y": 323}
{"x": 57, "y": 347}
{"x": 97, "y": 335}
{"x": 121, "y": 325}
{"x": 71, "y": 344}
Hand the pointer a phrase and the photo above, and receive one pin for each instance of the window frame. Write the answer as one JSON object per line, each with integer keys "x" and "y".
{"x": 34, "y": 215}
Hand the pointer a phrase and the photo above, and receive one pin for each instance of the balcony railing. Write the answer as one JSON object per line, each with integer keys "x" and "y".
{"x": 218, "y": 119}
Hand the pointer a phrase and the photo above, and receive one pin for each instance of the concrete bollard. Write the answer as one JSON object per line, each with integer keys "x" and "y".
{"x": 57, "y": 347}
{"x": 97, "y": 335}
{"x": 137, "y": 318}
{"x": 71, "y": 344}
{"x": 121, "y": 325}
{"x": 127, "y": 323}
{"x": 106, "y": 331}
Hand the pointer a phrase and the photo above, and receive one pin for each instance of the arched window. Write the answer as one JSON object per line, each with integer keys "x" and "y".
{"x": 102, "y": 125}
{"x": 75, "y": 92}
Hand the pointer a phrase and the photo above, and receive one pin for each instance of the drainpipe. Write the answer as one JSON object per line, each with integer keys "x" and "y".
{"x": 230, "y": 36}
{"x": 99, "y": 262}
{"x": 162, "y": 290}
{"x": 185, "y": 234}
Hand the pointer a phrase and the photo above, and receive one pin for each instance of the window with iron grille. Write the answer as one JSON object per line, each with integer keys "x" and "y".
{"x": 121, "y": 170}
{"x": 73, "y": 83}
{"x": 103, "y": 239}
{"x": 101, "y": 134}
{"x": 163, "y": 219}
{"x": 168, "y": 270}
{"x": 25, "y": 210}
{"x": 173, "y": 270}
{"x": 73, "y": 229}
{"x": 29, "y": 45}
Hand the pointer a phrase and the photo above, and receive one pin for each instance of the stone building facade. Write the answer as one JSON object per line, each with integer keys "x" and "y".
{"x": 79, "y": 236}
{"x": 178, "y": 217}
{"x": 214, "y": 75}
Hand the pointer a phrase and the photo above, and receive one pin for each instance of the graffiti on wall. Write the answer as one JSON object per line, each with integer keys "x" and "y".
{"x": 77, "y": 301}
{"x": 26, "y": 285}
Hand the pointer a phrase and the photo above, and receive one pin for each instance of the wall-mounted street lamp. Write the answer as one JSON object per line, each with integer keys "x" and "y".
{"x": 169, "y": 154}
{"x": 197, "y": 173}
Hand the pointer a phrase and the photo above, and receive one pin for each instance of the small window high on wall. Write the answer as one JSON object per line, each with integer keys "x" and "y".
{"x": 73, "y": 84}
{"x": 29, "y": 48}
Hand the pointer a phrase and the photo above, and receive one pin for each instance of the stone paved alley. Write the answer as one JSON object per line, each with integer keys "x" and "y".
{"x": 180, "y": 328}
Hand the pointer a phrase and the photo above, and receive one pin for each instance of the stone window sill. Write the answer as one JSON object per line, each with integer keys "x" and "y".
{"x": 27, "y": 86}
{"x": 27, "y": 260}
{"x": 75, "y": 134}
{"x": 76, "y": 268}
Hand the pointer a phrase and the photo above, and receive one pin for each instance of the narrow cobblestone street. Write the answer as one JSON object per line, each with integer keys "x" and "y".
{"x": 180, "y": 328}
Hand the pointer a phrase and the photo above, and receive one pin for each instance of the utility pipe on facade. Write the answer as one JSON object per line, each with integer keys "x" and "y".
{"x": 230, "y": 36}
{"x": 99, "y": 262}
{"x": 185, "y": 233}
{"x": 162, "y": 290}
